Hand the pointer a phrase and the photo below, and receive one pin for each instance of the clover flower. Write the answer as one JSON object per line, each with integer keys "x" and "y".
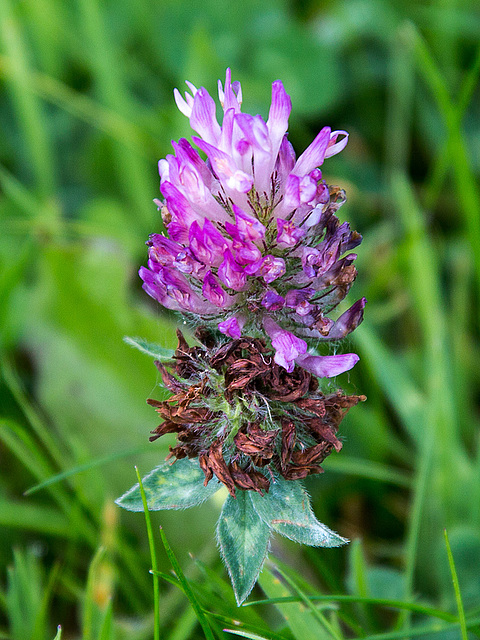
{"x": 254, "y": 245}
{"x": 256, "y": 260}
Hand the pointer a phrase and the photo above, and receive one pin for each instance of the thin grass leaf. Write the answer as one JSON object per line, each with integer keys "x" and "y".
{"x": 22, "y": 445}
{"x": 106, "y": 630}
{"x": 400, "y": 98}
{"x": 394, "y": 378}
{"x": 368, "y": 469}
{"x": 153, "y": 557}
{"x": 28, "y": 110}
{"x": 301, "y": 625}
{"x": 85, "y": 467}
{"x": 318, "y": 615}
{"x": 440, "y": 425}
{"x": 245, "y": 634}
{"x": 110, "y": 83}
{"x": 37, "y": 518}
{"x": 84, "y": 108}
{"x": 421, "y": 630}
{"x": 58, "y": 635}
{"x": 30, "y": 411}
{"x": 24, "y": 596}
{"x": 184, "y": 625}
{"x": 11, "y": 276}
{"x": 456, "y": 586}
{"x": 41, "y": 620}
{"x": 20, "y": 442}
{"x": 359, "y": 581}
{"x": 245, "y": 626}
{"x": 167, "y": 577}
{"x": 89, "y": 605}
{"x": 442, "y": 161}
{"x": 23, "y": 199}
{"x": 467, "y": 190}
{"x": 187, "y": 588}
{"x": 381, "y": 602}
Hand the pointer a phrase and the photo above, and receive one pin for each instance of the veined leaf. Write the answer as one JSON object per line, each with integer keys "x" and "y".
{"x": 177, "y": 485}
{"x": 150, "y": 348}
{"x": 243, "y": 540}
{"x": 286, "y": 509}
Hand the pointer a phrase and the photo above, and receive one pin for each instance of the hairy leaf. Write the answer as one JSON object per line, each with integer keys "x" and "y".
{"x": 150, "y": 348}
{"x": 243, "y": 540}
{"x": 286, "y": 509}
{"x": 176, "y": 485}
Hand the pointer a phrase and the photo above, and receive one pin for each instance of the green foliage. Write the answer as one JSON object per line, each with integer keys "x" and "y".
{"x": 177, "y": 485}
{"x": 243, "y": 542}
{"x": 286, "y": 509}
{"x": 86, "y": 110}
{"x": 246, "y": 521}
{"x": 155, "y": 350}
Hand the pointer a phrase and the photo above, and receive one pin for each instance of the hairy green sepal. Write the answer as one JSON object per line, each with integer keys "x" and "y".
{"x": 286, "y": 509}
{"x": 177, "y": 485}
{"x": 243, "y": 541}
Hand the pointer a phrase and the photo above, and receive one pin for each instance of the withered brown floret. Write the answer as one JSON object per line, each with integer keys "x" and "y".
{"x": 248, "y": 375}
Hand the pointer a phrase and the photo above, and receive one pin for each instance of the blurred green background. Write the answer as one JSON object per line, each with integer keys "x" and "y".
{"x": 86, "y": 111}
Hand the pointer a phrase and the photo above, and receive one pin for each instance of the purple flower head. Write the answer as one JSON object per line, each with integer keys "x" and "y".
{"x": 253, "y": 238}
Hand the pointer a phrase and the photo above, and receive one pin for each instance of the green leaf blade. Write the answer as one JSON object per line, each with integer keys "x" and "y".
{"x": 286, "y": 509}
{"x": 243, "y": 539}
{"x": 150, "y": 349}
{"x": 178, "y": 485}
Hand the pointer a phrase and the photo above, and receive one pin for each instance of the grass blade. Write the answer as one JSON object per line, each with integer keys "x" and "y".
{"x": 443, "y": 160}
{"x": 167, "y": 577}
{"x": 318, "y": 615}
{"x": 89, "y": 608}
{"x": 466, "y": 183}
{"x": 456, "y": 586}
{"x": 245, "y": 634}
{"x": 28, "y": 110}
{"x": 382, "y": 602}
{"x": 84, "y": 467}
{"x": 107, "y": 623}
{"x": 153, "y": 556}
{"x": 199, "y": 612}
{"x": 423, "y": 630}
{"x": 369, "y": 469}
{"x": 302, "y": 626}
{"x": 245, "y": 627}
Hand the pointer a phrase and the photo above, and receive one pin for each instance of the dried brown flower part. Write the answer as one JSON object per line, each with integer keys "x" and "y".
{"x": 244, "y": 416}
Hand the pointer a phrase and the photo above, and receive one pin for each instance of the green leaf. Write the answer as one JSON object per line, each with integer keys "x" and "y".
{"x": 456, "y": 586}
{"x": 286, "y": 509}
{"x": 300, "y": 622}
{"x": 177, "y": 485}
{"x": 150, "y": 348}
{"x": 244, "y": 634}
{"x": 243, "y": 540}
{"x": 153, "y": 557}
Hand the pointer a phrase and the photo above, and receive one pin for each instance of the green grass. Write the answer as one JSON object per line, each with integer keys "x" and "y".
{"x": 86, "y": 108}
